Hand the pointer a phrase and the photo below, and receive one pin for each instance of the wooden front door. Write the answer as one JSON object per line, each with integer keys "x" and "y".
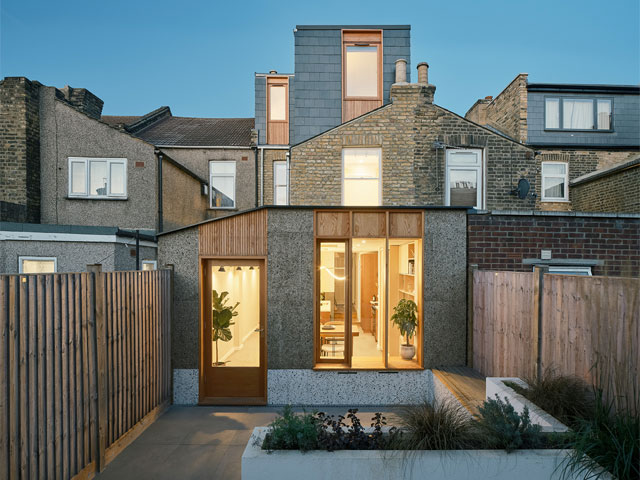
{"x": 233, "y": 368}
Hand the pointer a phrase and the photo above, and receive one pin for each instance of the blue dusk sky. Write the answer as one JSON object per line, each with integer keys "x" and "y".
{"x": 199, "y": 57}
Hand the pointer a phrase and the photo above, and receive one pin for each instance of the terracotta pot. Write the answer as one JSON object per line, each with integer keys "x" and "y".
{"x": 407, "y": 352}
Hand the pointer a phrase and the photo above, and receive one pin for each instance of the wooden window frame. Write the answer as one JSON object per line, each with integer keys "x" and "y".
{"x": 277, "y": 81}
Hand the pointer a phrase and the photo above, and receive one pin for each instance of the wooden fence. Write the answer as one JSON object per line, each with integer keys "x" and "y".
{"x": 84, "y": 366}
{"x": 525, "y": 324}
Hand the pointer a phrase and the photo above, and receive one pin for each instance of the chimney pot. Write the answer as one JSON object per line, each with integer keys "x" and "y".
{"x": 401, "y": 70}
{"x": 273, "y": 72}
{"x": 423, "y": 73}
{"x": 489, "y": 97}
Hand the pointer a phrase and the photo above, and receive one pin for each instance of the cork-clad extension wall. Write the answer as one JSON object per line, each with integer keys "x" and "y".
{"x": 413, "y": 170}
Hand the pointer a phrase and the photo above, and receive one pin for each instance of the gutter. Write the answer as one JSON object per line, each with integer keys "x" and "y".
{"x": 209, "y": 147}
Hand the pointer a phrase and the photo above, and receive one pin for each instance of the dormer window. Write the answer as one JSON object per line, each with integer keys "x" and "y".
{"x": 582, "y": 114}
{"x": 277, "y": 110}
{"x": 361, "y": 72}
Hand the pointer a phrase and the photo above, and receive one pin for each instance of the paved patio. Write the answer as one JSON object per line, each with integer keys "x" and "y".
{"x": 199, "y": 442}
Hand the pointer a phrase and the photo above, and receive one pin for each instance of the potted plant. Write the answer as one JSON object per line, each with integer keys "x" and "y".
{"x": 406, "y": 319}
{"x": 221, "y": 316}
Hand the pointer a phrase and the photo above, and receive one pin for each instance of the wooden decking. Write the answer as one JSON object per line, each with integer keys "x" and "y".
{"x": 466, "y": 384}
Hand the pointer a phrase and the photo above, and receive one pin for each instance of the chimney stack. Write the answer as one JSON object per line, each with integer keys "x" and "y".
{"x": 423, "y": 73}
{"x": 401, "y": 70}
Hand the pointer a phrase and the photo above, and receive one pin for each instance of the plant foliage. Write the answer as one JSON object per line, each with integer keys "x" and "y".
{"x": 291, "y": 431}
{"x": 405, "y": 318}
{"x": 221, "y": 316}
{"x": 505, "y": 428}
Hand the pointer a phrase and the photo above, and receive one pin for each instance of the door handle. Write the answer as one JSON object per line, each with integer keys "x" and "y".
{"x": 259, "y": 330}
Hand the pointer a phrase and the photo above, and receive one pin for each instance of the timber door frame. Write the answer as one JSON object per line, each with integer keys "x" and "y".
{"x": 205, "y": 302}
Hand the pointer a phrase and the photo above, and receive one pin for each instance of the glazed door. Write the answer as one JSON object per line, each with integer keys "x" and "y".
{"x": 233, "y": 364}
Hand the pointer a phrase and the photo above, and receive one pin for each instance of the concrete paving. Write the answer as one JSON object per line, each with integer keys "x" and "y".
{"x": 200, "y": 442}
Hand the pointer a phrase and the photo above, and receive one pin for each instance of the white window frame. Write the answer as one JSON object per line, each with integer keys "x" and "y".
{"x": 478, "y": 167}
{"x": 21, "y": 258}
{"x": 286, "y": 182}
{"x": 565, "y": 179}
{"x": 87, "y": 162}
{"x": 225, "y": 175}
{"x": 568, "y": 270}
{"x": 379, "y": 177}
{"x": 154, "y": 263}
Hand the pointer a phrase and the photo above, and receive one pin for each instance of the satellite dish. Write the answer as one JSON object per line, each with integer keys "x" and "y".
{"x": 522, "y": 190}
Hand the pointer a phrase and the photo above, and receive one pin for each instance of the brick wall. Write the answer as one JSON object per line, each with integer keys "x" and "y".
{"x": 501, "y": 242}
{"x": 19, "y": 150}
{"x": 413, "y": 171}
{"x": 507, "y": 112}
{"x": 617, "y": 192}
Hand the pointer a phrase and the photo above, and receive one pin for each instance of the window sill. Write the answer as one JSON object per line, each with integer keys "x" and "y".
{"x": 550, "y": 200}
{"x": 564, "y": 130}
{"x": 339, "y": 368}
{"x": 109, "y": 199}
{"x": 224, "y": 209}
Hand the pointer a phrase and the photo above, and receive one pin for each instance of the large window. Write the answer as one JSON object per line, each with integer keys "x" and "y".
{"x": 578, "y": 114}
{"x": 280, "y": 183}
{"x": 464, "y": 178}
{"x": 361, "y": 72}
{"x": 277, "y": 110}
{"x": 555, "y": 179}
{"x": 37, "y": 264}
{"x": 223, "y": 184}
{"x": 97, "y": 177}
{"x": 361, "y": 182}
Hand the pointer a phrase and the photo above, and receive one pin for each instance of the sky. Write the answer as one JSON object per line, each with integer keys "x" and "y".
{"x": 199, "y": 57}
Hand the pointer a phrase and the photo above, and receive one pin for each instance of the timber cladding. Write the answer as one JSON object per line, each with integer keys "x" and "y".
{"x": 243, "y": 235}
{"x": 376, "y": 224}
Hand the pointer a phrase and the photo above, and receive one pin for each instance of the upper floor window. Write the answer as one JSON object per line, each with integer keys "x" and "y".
{"x": 578, "y": 114}
{"x": 98, "y": 177}
{"x": 555, "y": 178}
{"x": 361, "y": 72}
{"x": 280, "y": 183}
{"x": 464, "y": 178}
{"x": 277, "y": 110}
{"x": 37, "y": 264}
{"x": 222, "y": 178}
{"x": 361, "y": 183}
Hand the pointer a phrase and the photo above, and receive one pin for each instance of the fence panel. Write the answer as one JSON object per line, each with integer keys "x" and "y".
{"x": 71, "y": 347}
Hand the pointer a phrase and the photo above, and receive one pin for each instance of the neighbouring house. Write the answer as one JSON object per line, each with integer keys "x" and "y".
{"x": 66, "y": 176}
{"x": 575, "y": 130}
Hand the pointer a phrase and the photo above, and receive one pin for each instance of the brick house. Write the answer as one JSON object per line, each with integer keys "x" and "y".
{"x": 576, "y": 130}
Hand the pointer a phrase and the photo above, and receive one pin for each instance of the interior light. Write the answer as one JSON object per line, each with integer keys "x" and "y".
{"x": 332, "y": 274}
{"x": 238, "y": 268}
{"x": 221, "y": 269}
{"x": 250, "y": 268}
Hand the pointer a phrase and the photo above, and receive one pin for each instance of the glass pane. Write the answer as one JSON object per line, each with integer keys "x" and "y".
{"x": 361, "y": 192}
{"x": 405, "y": 300}
{"x": 223, "y": 167}
{"x": 277, "y": 102}
{"x": 463, "y": 188}
{"x": 78, "y": 178}
{"x": 97, "y": 178}
{"x": 604, "y": 114}
{"x": 281, "y": 195}
{"x": 463, "y": 158}
{"x": 577, "y": 114}
{"x": 362, "y": 72}
{"x": 361, "y": 162}
{"x": 554, "y": 187}
{"x": 235, "y": 316}
{"x": 333, "y": 300}
{"x": 367, "y": 304}
{"x": 552, "y": 113}
{"x": 223, "y": 192}
{"x": 553, "y": 168}
{"x": 148, "y": 266}
{"x": 117, "y": 179}
{"x": 280, "y": 173}
{"x": 38, "y": 266}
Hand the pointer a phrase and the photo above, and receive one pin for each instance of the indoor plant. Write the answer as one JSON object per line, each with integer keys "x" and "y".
{"x": 221, "y": 316}
{"x": 405, "y": 317}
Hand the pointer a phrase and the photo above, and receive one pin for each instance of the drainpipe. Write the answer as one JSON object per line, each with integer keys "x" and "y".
{"x": 255, "y": 158}
{"x": 288, "y": 156}
{"x": 137, "y": 249}
{"x": 160, "y": 213}
{"x": 261, "y": 176}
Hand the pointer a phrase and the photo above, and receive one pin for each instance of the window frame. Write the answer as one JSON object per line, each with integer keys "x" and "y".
{"x": 543, "y": 197}
{"x": 283, "y": 82}
{"x": 226, "y": 175}
{"x": 379, "y": 177}
{"x": 21, "y": 258}
{"x": 561, "y": 100}
{"x": 87, "y": 179}
{"x": 363, "y": 38}
{"x": 569, "y": 270}
{"x": 480, "y": 195}
{"x": 276, "y": 185}
{"x": 154, "y": 263}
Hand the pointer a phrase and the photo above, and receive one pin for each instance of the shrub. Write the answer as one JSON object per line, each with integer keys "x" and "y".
{"x": 504, "y": 428}
{"x": 567, "y": 398}
{"x": 610, "y": 439}
{"x": 291, "y": 431}
{"x": 438, "y": 426}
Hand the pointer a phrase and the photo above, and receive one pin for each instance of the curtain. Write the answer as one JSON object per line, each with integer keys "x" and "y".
{"x": 577, "y": 114}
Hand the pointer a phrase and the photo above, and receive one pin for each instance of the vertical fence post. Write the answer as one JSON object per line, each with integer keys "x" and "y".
{"x": 472, "y": 268}
{"x": 101, "y": 353}
{"x": 171, "y": 268}
{"x": 538, "y": 301}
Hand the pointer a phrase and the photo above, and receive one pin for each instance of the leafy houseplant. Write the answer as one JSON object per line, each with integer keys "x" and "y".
{"x": 221, "y": 316}
{"x": 406, "y": 320}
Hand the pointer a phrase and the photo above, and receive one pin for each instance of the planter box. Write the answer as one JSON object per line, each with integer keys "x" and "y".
{"x": 258, "y": 464}
{"x": 495, "y": 385}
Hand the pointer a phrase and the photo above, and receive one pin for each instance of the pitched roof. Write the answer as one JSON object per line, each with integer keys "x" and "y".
{"x": 115, "y": 120}
{"x": 199, "y": 132}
